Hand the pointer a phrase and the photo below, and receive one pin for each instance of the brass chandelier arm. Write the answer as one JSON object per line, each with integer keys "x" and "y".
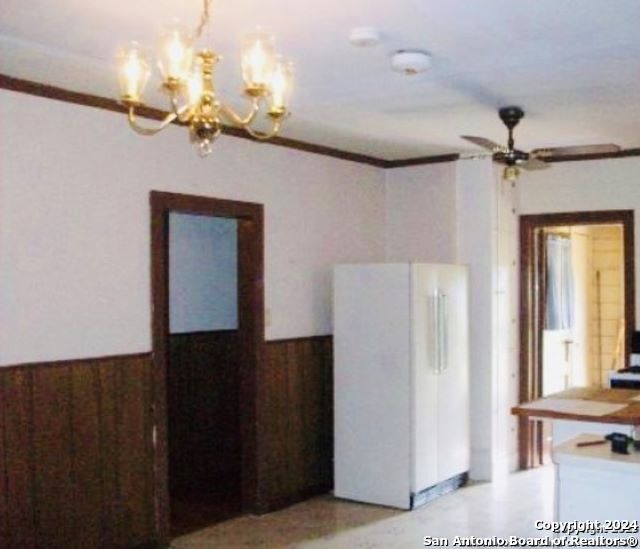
{"x": 248, "y": 120}
{"x": 184, "y": 113}
{"x": 263, "y": 136}
{"x": 133, "y": 121}
{"x": 236, "y": 119}
{"x": 175, "y": 106}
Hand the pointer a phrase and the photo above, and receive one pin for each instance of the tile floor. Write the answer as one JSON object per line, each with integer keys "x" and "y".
{"x": 503, "y": 508}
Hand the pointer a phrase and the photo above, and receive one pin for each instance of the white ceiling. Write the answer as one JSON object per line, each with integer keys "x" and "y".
{"x": 573, "y": 65}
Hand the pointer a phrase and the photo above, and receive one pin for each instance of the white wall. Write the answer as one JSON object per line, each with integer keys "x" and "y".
{"x": 475, "y": 214}
{"x": 487, "y": 242}
{"x": 75, "y": 237}
{"x": 611, "y": 184}
{"x": 203, "y": 273}
{"x": 420, "y": 210}
{"x": 505, "y": 324}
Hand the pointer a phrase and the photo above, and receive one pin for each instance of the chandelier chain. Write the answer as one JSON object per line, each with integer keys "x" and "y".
{"x": 204, "y": 18}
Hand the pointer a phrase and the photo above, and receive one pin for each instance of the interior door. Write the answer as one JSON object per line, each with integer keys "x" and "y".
{"x": 453, "y": 378}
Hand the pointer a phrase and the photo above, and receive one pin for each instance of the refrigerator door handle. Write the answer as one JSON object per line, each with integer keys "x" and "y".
{"x": 444, "y": 328}
{"x": 434, "y": 336}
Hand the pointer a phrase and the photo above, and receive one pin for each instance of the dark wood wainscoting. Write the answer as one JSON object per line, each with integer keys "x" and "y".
{"x": 76, "y": 454}
{"x": 297, "y": 421}
{"x": 203, "y": 412}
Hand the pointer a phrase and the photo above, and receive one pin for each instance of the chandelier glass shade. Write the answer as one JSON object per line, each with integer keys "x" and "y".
{"x": 188, "y": 80}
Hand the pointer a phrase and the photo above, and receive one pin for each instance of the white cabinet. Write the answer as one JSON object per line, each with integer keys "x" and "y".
{"x": 593, "y": 483}
{"x": 401, "y": 381}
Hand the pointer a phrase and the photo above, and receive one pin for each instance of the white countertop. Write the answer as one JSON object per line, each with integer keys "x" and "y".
{"x": 600, "y": 456}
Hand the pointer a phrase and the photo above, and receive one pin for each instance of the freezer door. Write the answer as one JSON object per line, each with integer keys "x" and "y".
{"x": 425, "y": 364}
{"x": 453, "y": 379}
{"x": 372, "y": 383}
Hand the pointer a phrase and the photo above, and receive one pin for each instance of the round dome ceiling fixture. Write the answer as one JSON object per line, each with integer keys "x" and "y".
{"x": 410, "y": 62}
{"x": 364, "y": 37}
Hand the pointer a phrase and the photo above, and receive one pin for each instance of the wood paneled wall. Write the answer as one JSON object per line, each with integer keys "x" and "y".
{"x": 76, "y": 454}
{"x": 297, "y": 422}
{"x": 203, "y": 390}
{"x": 76, "y": 449}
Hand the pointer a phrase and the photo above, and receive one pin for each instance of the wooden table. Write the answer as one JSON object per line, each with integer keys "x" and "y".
{"x": 568, "y": 425}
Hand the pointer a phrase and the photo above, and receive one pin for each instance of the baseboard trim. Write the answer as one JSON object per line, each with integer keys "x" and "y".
{"x": 433, "y": 492}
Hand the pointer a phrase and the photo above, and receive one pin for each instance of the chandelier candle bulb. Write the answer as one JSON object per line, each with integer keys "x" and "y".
{"x": 133, "y": 74}
{"x": 175, "y": 56}
{"x": 195, "y": 85}
{"x": 281, "y": 86}
{"x": 258, "y": 62}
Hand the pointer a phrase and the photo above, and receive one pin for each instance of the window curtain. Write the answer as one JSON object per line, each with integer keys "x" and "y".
{"x": 559, "y": 306}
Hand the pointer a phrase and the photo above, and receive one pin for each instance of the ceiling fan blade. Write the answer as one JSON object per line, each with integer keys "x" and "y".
{"x": 534, "y": 163}
{"x": 557, "y": 152}
{"x": 484, "y": 143}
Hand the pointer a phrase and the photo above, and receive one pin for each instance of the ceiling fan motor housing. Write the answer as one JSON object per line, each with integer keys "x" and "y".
{"x": 511, "y": 157}
{"x": 511, "y": 116}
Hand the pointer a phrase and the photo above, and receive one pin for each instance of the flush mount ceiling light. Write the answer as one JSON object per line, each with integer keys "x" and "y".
{"x": 410, "y": 62}
{"x": 188, "y": 81}
{"x": 364, "y": 37}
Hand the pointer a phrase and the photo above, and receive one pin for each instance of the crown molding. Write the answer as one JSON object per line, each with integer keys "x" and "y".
{"x": 79, "y": 98}
{"x": 421, "y": 160}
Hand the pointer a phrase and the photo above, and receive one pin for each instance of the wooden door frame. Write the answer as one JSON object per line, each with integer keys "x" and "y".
{"x": 530, "y": 384}
{"x": 250, "y": 218}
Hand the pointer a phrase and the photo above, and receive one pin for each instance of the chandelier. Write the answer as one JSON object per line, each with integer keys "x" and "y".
{"x": 188, "y": 81}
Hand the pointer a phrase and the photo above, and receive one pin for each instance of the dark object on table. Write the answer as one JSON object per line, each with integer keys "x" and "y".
{"x": 619, "y": 442}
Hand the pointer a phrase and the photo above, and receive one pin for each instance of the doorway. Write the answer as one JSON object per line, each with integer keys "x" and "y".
{"x": 577, "y": 309}
{"x": 208, "y": 338}
{"x": 203, "y": 393}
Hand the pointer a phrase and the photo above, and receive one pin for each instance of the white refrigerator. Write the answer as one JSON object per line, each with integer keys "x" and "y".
{"x": 401, "y": 382}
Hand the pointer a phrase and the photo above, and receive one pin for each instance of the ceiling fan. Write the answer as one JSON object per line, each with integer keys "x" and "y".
{"x": 536, "y": 159}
